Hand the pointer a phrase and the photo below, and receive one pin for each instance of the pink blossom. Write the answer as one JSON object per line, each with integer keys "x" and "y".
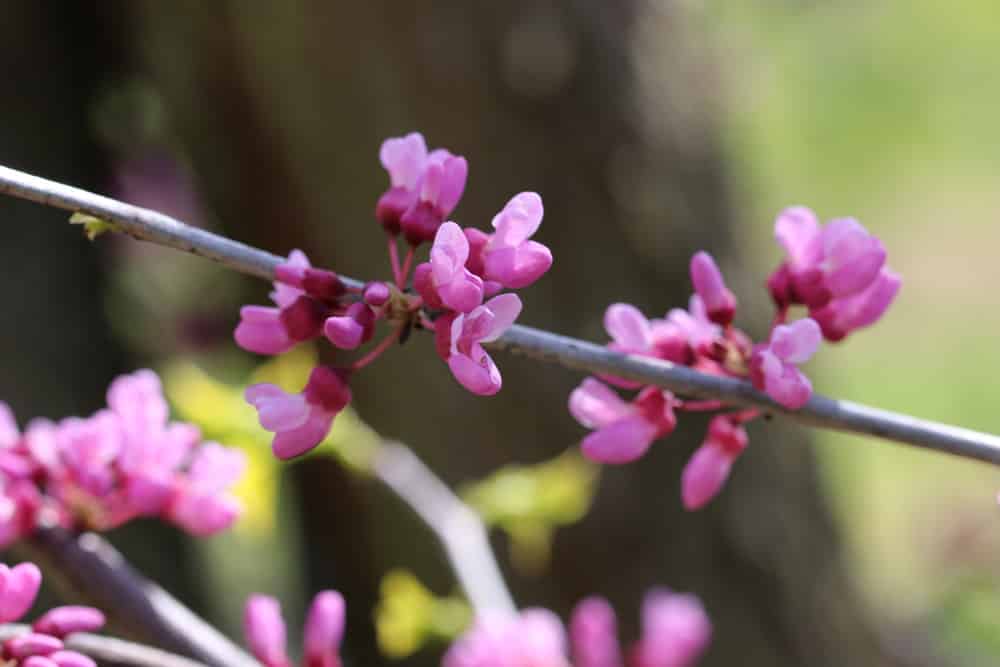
{"x": 405, "y": 159}
{"x": 709, "y": 467}
{"x": 88, "y": 450}
{"x": 844, "y": 315}
{"x": 376, "y": 294}
{"x": 301, "y": 421}
{"x": 533, "y": 638}
{"x": 441, "y": 186}
{"x": 18, "y": 587}
{"x": 509, "y": 257}
{"x": 684, "y": 335}
{"x": 774, "y": 368}
{"x": 719, "y": 302}
{"x": 468, "y": 361}
{"x": 622, "y": 431}
{"x": 457, "y": 288}
{"x": 202, "y": 504}
{"x": 675, "y": 630}
{"x": 62, "y": 621}
{"x": 594, "y": 635}
{"x": 352, "y": 329}
{"x": 324, "y": 630}
{"x": 265, "y": 631}
{"x": 837, "y": 260}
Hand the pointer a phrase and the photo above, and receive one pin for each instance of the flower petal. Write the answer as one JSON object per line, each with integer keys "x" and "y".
{"x": 595, "y": 405}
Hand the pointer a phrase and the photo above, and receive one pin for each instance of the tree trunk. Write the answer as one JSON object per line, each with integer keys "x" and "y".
{"x": 609, "y": 110}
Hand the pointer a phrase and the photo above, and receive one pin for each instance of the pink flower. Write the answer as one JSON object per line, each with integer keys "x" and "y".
{"x": 509, "y": 257}
{"x": 457, "y": 288}
{"x": 30, "y": 644}
{"x": 720, "y": 303}
{"x": 773, "y": 367}
{"x": 404, "y": 158}
{"x": 62, "y": 621}
{"x": 18, "y": 588}
{"x": 468, "y": 361}
{"x": 684, "y": 335}
{"x": 352, "y": 329}
{"x": 594, "y": 635}
{"x": 709, "y": 467}
{"x": 301, "y": 421}
{"x": 88, "y": 449}
{"x": 842, "y": 316}
{"x": 298, "y": 316}
{"x": 324, "y": 630}
{"x": 533, "y": 638}
{"x": 623, "y": 431}
{"x": 838, "y": 260}
{"x": 675, "y": 630}
{"x": 265, "y": 631}
{"x": 441, "y": 186}
{"x": 202, "y": 504}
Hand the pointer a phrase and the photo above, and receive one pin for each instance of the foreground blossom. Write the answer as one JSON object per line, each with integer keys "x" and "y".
{"x": 265, "y": 633}
{"x": 41, "y": 645}
{"x": 123, "y": 462}
{"x": 774, "y": 366}
{"x": 622, "y": 431}
{"x": 469, "y": 363}
{"x": 510, "y": 258}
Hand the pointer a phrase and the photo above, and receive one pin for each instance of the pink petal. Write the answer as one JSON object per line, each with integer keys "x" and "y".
{"x": 853, "y": 256}
{"x": 622, "y": 441}
{"x": 675, "y": 630}
{"x": 594, "y": 635}
{"x": 61, "y": 621}
{"x": 463, "y": 293}
{"x": 260, "y": 330}
{"x": 295, "y": 442}
{"x": 215, "y": 468}
{"x": 720, "y": 303}
{"x": 519, "y": 266}
{"x": 9, "y": 433}
{"x": 789, "y": 386}
{"x": 518, "y": 221}
{"x": 541, "y": 638}
{"x": 264, "y": 629}
{"x": 324, "y": 630}
{"x": 505, "y": 309}
{"x": 477, "y": 373}
{"x": 627, "y": 326}
{"x": 203, "y": 514}
{"x": 456, "y": 170}
{"x": 595, "y": 405}
{"x": 797, "y": 229}
{"x": 32, "y": 643}
{"x": 277, "y": 410}
{"x": 704, "y": 475}
{"x": 404, "y": 158}
{"x": 343, "y": 332}
{"x": 285, "y": 295}
{"x": 797, "y": 342}
{"x": 449, "y": 253}
{"x": 842, "y": 316}
{"x": 18, "y": 588}
{"x": 68, "y": 659}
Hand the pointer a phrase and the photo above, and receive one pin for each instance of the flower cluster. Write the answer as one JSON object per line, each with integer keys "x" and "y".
{"x": 42, "y": 645}
{"x": 123, "y": 462}
{"x": 675, "y": 632}
{"x": 836, "y": 271}
{"x": 265, "y": 631}
{"x": 457, "y": 293}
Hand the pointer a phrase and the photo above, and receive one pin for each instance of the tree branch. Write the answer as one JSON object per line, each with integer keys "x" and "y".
{"x": 95, "y": 571}
{"x": 456, "y": 525}
{"x": 111, "y": 652}
{"x": 820, "y": 411}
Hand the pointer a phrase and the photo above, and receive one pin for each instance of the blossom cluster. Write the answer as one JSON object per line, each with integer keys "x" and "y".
{"x": 837, "y": 272}
{"x": 42, "y": 645}
{"x": 675, "y": 632}
{"x": 456, "y": 293}
{"x": 125, "y": 461}
{"x": 265, "y": 631}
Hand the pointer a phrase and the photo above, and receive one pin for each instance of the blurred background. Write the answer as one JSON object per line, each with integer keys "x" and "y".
{"x": 652, "y": 129}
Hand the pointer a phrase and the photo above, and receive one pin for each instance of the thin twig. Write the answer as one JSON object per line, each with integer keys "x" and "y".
{"x": 455, "y": 524}
{"x": 96, "y": 572}
{"x": 110, "y": 652}
{"x": 820, "y": 411}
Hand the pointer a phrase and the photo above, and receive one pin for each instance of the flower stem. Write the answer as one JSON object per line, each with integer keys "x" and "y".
{"x": 377, "y": 351}
{"x": 394, "y": 259}
{"x": 404, "y": 272}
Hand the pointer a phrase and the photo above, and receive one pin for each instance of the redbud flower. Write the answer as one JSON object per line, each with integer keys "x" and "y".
{"x": 324, "y": 630}
{"x": 533, "y": 638}
{"x": 684, "y": 335}
{"x": 773, "y": 367}
{"x": 301, "y": 421}
{"x": 441, "y": 186}
{"x": 838, "y": 260}
{"x": 675, "y": 630}
{"x": 623, "y": 431}
{"x": 720, "y": 304}
{"x": 265, "y": 631}
{"x": 62, "y": 621}
{"x": 353, "y": 328}
{"x": 457, "y": 287}
{"x": 709, "y": 467}
{"x": 18, "y": 587}
{"x": 404, "y": 158}
{"x": 201, "y": 503}
{"x": 594, "y": 635}
{"x": 842, "y": 316}
{"x": 509, "y": 257}
{"x": 468, "y": 361}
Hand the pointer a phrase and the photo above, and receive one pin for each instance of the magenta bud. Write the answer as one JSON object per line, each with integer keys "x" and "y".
{"x": 32, "y": 643}
{"x": 303, "y": 320}
{"x": 720, "y": 304}
{"x": 376, "y": 294}
{"x": 322, "y": 284}
{"x": 62, "y": 621}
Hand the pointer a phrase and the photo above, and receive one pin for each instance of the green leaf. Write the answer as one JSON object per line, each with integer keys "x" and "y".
{"x": 92, "y": 225}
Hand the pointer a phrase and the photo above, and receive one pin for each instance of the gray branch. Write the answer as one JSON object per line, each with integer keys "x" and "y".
{"x": 457, "y": 526}
{"x": 91, "y": 569}
{"x": 820, "y": 411}
{"x": 111, "y": 652}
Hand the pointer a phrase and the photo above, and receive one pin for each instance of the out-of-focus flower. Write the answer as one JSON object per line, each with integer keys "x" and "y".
{"x": 774, "y": 366}
{"x": 265, "y": 633}
{"x": 622, "y": 431}
{"x": 709, "y": 467}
